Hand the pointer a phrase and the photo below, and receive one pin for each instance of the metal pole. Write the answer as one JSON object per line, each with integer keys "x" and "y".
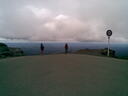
{"x": 108, "y": 54}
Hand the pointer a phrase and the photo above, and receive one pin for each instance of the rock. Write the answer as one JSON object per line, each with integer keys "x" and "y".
{"x": 16, "y": 51}
{"x": 3, "y": 47}
{"x": 5, "y": 51}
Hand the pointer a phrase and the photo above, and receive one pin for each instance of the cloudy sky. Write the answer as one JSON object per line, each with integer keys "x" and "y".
{"x": 63, "y": 20}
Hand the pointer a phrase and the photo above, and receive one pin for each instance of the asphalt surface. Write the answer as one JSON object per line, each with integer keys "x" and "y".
{"x": 63, "y": 75}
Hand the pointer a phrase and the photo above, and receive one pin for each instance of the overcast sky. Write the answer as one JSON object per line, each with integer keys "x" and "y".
{"x": 63, "y": 20}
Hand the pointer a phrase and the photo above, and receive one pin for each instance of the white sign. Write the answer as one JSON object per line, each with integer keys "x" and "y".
{"x": 109, "y": 33}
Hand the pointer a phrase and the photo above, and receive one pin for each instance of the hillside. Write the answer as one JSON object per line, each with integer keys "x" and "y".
{"x": 63, "y": 75}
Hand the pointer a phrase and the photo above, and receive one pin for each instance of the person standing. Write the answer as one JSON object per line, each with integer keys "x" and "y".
{"x": 66, "y": 48}
{"x": 42, "y": 48}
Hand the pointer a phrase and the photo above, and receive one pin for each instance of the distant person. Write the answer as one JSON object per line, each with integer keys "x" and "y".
{"x": 42, "y": 48}
{"x": 66, "y": 48}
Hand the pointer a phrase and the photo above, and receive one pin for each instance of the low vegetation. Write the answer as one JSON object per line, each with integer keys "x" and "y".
{"x": 97, "y": 52}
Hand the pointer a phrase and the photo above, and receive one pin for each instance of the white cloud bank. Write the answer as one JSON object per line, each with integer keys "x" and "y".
{"x": 42, "y": 24}
{"x": 61, "y": 27}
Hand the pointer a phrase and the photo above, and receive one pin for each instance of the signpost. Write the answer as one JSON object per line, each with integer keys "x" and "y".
{"x": 109, "y": 34}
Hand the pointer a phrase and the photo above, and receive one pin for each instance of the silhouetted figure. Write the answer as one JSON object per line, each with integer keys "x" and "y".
{"x": 42, "y": 48}
{"x": 66, "y": 48}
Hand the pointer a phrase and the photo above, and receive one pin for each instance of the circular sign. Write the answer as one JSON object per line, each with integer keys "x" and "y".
{"x": 109, "y": 33}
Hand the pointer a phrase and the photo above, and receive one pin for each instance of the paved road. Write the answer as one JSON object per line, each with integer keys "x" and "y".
{"x": 63, "y": 75}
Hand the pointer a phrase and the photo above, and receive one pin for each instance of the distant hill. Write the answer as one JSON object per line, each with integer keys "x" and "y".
{"x": 6, "y": 51}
